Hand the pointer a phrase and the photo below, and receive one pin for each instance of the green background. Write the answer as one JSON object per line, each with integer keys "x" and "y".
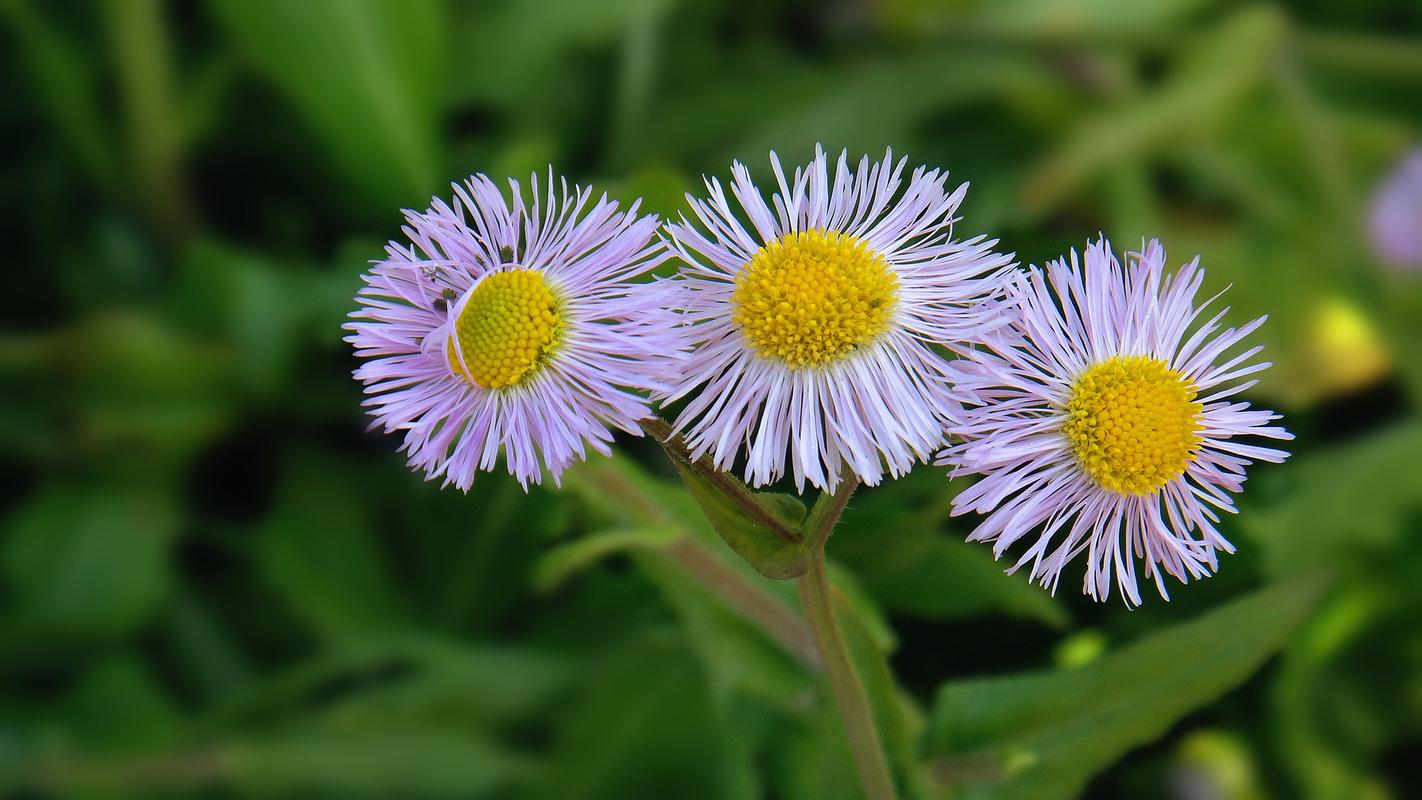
{"x": 214, "y": 581}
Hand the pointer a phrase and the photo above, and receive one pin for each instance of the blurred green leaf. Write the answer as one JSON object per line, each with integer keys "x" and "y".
{"x": 118, "y": 706}
{"x": 892, "y": 537}
{"x": 146, "y": 390}
{"x": 407, "y": 678}
{"x": 511, "y": 48}
{"x": 65, "y": 84}
{"x": 561, "y": 562}
{"x": 1343, "y": 504}
{"x": 85, "y": 561}
{"x": 1397, "y": 57}
{"x": 248, "y": 304}
{"x": 752, "y": 643}
{"x": 1043, "y": 735}
{"x": 1217, "y": 72}
{"x": 395, "y": 762}
{"x": 1088, "y": 18}
{"x": 647, "y": 728}
{"x": 317, "y": 760}
{"x": 319, "y": 551}
{"x": 792, "y": 108}
{"x": 924, "y": 573}
{"x": 746, "y": 628}
{"x": 866, "y": 607}
{"x": 369, "y": 78}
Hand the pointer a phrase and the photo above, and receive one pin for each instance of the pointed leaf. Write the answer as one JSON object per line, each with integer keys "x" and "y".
{"x": 367, "y": 77}
{"x": 1043, "y": 735}
{"x": 771, "y": 555}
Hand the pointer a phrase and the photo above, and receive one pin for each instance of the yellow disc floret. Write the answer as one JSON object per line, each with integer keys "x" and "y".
{"x": 1133, "y": 423}
{"x": 507, "y": 329}
{"x": 814, "y": 296}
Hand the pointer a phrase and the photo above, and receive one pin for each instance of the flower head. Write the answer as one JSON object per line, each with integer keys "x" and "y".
{"x": 1101, "y": 422}
{"x": 514, "y": 327}
{"x": 816, "y": 318}
{"x": 1396, "y": 219}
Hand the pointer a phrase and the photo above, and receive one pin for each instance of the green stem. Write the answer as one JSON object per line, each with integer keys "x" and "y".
{"x": 827, "y": 511}
{"x": 849, "y": 693}
{"x": 848, "y": 687}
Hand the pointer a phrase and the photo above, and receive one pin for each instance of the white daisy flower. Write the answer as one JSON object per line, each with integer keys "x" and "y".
{"x": 817, "y": 319}
{"x": 514, "y": 327}
{"x": 1102, "y": 424}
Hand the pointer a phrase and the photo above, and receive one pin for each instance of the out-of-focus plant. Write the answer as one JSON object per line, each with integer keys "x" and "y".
{"x": 212, "y": 580}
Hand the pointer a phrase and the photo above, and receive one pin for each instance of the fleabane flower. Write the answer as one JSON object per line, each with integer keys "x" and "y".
{"x": 1102, "y": 423}
{"x": 513, "y": 327}
{"x": 816, "y": 318}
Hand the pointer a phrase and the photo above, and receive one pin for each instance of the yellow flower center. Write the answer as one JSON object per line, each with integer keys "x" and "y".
{"x": 812, "y": 297}
{"x": 1133, "y": 423}
{"x": 508, "y": 328}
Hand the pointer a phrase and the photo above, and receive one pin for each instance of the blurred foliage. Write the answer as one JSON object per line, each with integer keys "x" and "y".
{"x": 214, "y": 580}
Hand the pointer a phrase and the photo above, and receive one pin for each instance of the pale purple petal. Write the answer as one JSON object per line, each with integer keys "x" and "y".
{"x": 1014, "y": 388}
{"x": 620, "y": 331}
{"x": 882, "y": 408}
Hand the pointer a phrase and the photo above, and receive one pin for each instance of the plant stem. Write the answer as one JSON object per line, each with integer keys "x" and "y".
{"x": 724, "y": 482}
{"x": 849, "y": 693}
{"x": 848, "y": 687}
{"x": 827, "y": 511}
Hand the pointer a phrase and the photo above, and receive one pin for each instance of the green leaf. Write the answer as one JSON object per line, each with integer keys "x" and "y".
{"x": 334, "y": 762}
{"x": 65, "y": 84}
{"x": 893, "y": 537}
{"x": 319, "y": 551}
{"x": 1217, "y": 73}
{"x": 1342, "y": 504}
{"x": 769, "y": 554}
{"x": 368, "y": 77}
{"x": 647, "y": 728}
{"x": 405, "y": 678}
{"x": 512, "y": 49}
{"x": 86, "y": 561}
{"x": 815, "y": 762}
{"x": 145, "y": 390}
{"x": 1043, "y": 735}
{"x": 118, "y": 706}
{"x": 248, "y": 302}
{"x": 561, "y": 562}
{"x": 746, "y": 629}
{"x": 743, "y": 657}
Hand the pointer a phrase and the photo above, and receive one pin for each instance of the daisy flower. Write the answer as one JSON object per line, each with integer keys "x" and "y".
{"x": 512, "y": 326}
{"x": 1102, "y": 424}
{"x": 814, "y": 318}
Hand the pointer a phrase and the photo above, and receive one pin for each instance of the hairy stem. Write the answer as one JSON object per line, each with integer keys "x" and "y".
{"x": 844, "y": 680}
{"x": 827, "y": 511}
